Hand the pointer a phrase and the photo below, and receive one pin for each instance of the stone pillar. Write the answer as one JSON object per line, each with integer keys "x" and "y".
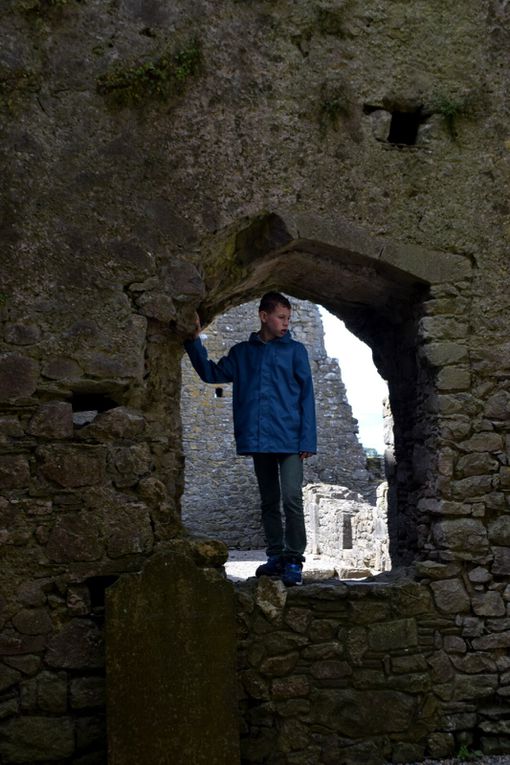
{"x": 170, "y": 646}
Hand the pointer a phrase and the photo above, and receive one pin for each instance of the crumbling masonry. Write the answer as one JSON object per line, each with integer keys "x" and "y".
{"x": 160, "y": 158}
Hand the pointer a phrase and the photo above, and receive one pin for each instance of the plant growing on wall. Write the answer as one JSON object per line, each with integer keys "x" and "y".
{"x": 451, "y": 108}
{"x": 161, "y": 78}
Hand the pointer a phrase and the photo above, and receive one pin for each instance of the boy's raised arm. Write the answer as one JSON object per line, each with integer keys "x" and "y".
{"x": 208, "y": 370}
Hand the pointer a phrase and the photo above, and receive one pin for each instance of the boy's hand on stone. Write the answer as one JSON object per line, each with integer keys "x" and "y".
{"x": 198, "y": 326}
{"x": 305, "y": 455}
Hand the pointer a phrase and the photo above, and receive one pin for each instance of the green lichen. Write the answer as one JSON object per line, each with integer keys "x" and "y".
{"x": 158, "y": 79}
{"x": 451, "y": 108}
{"x": 15, "y": 85}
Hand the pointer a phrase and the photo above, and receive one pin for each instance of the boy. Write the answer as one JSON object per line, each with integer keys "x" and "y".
{"x": 274, "y": 422}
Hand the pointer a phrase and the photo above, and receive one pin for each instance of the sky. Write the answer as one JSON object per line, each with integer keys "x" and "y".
{"x": 365, "y": 388}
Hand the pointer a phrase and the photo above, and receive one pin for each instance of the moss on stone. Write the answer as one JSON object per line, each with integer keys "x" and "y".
{"x": 159, "y": 79}
{"x": 14, "y": 85}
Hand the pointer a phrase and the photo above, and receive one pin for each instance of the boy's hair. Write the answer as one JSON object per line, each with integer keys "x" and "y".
{"x": 270, "y": 300}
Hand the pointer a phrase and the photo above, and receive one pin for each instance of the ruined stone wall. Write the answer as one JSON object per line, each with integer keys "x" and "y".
{"x": 221, "y": 496}
{"x": 159, "y": 158}
{"x": 367, "y": 672}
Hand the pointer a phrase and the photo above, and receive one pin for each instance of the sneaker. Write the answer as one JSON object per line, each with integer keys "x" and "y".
{"x": 292, "y": 574}
{"x": 273, "y": 566}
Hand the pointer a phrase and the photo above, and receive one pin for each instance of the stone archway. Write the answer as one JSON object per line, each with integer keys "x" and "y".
{"x": 392, "y": 296}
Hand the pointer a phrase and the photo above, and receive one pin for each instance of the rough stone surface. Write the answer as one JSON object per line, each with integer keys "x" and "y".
{"x": 274, "y": 158}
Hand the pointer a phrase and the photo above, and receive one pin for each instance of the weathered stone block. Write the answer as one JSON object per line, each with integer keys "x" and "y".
{"x": 10, "y": 427}
{"x": 75, "y": 537}
{"x": 129, "y": 463}
{"x": 52, "y": 692}
{"x": 14, "y": 471}
{"x": 18, "y": 376}
{"x": 37, "y": 739}
{"x": 499, "y": 531}
{"x": 115, "y": 424}
{"x": 442, "y": 354}
{"x": 79, "y": 645}
{"x": 87, "y": 692}
{"x": 33, "y": 621}
{"x": 453, "y": 378}
{"x": 128, "y": 530}
{"x": 492, "y": 642}
{"x": 22, "y": 334}
{"x": 440, "y": 744}
{"x": 298, "y": 619}
{"x": 72, "y": 467}
{"x": 406, "y": 664}
{"x": 323, "y": 651}
{"x": 292, "y": 687}
{"x": 388, "y": 636}
{"x": 52, "y": 420}
{"x": 270, "y": 597}
{"x": 61, "y": 368}
{"x": 331, "y": 670}
{"x": 474, "y": 663}
{"x": 277, "y": 666}
{"x": 474, "y": 686}
{"x": 471, "y": 488}
{"x": 476, "y": 464}
{"x": 501, "y": 564}
{"x": 450, "y": 596}
{"x": 163, "y": 671}
{"x": 157, "y": 305}
{"x": 488, "y": 604}
{"x": 497, "y": 406}
{"x": 356, "y": 713}
{"x": 464, "y": 534}
{"x": 483, "y": 442}
{"x": 8, "y": 677}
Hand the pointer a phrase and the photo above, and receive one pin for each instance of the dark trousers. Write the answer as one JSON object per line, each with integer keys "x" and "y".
{"x": 281, "y": 476}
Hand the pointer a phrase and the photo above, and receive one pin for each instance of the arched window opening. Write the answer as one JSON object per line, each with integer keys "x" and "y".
{"x": 344, "y": 493}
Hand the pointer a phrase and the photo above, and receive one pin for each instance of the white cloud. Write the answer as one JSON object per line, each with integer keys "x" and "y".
{"x": 366, "y": 389}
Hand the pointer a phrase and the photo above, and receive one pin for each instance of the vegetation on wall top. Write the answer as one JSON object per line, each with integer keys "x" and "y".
{"x": 159, "y": 79}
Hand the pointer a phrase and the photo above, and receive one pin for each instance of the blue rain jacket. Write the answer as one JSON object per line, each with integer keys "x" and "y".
{"x": 273, "y": 401}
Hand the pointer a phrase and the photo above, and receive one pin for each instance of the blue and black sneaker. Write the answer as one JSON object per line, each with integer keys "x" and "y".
{"x": 292, "y": 573}
{"x": 273, "y": 566}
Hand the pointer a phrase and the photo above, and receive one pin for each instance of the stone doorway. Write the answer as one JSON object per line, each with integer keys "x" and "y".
{"x": 390, "y": 296}
{"x": 342, "y": 484}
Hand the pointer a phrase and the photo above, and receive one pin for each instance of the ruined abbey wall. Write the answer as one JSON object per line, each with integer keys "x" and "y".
{"x": 159, "y": 158}
{"x": 220, "y": 495}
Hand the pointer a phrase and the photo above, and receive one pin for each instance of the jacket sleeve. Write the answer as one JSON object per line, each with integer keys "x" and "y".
{"x": 207, "y": 370}
{"x": 303, "y": 374}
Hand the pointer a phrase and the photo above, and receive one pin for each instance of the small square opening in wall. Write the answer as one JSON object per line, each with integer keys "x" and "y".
{"x": 218, "y": 393}
{"x": 404, "y": 127}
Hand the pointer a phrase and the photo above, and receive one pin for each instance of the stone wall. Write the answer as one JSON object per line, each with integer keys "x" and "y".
{"x": 221, "y": 495}
{"x": 370, "y": 672}
{"x": 161, "y": 158}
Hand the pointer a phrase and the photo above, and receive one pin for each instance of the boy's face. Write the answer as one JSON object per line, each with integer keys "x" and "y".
{"x": 275, "y": 323}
